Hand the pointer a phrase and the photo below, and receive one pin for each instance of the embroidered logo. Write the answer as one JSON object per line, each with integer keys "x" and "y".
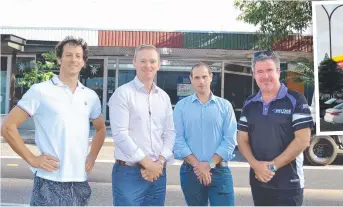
{"x": 282, "y": 111}
{"x": 304, "y": 106}
{"x": 85, "y": 103}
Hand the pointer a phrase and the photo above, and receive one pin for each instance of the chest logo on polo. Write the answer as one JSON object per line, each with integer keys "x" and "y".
{"x": 304, "y": 106}
{"x": 282, "y": 111}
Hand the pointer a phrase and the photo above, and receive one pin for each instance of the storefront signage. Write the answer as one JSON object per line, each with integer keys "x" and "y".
{"x": 184, "y": 87}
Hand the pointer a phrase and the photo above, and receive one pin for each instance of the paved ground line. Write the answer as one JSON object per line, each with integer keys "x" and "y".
{"x": 235, "y": 164}
{"x": 14, "y": 204}
{"x": 12, "y": 165}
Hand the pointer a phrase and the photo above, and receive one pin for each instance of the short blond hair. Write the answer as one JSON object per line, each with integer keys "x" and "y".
{"x": 146, "y": 46}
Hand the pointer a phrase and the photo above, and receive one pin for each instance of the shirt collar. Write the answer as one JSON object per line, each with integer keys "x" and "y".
{"x": 57, "y": 82}
{"x": 281, "y": 93}
{"x": 213, "y": 98}
{"x": 139, "y": 85}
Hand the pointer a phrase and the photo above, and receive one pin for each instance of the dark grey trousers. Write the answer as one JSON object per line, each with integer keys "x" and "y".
{"x": 52, "y": 193}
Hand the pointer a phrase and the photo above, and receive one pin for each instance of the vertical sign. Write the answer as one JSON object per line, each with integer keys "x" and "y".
{"x": 184, "y": 87}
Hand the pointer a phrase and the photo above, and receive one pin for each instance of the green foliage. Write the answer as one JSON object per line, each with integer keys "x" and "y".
{"x": 304, "y": 70}
{"x": 41, "y": 70}
{"x": 330, "y": 77}
{"x": 276, "y": 19}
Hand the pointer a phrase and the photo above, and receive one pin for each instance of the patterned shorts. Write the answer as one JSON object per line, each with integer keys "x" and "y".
{"x": 52, "y": 193}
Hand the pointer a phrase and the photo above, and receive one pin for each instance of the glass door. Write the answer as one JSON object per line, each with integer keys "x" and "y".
{"x": 4, "y": 84}
{"x": 92, "y": 76}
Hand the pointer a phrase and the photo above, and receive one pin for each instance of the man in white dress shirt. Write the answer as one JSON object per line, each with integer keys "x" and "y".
{"x": 141, "y": 118}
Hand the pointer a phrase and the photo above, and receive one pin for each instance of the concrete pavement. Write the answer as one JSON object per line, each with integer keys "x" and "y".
{"x": 323, "y": 184}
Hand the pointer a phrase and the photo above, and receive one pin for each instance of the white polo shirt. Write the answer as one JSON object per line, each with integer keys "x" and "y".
{"x": 62, "y": 125}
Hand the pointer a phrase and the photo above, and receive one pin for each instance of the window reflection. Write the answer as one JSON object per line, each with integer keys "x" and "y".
{"x": 92, "y": 76}
{"x": 125, "y": 76}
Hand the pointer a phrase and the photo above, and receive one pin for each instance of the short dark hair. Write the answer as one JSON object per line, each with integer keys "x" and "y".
{"x": 200, "y": 64}
{"x": 74, "y": 41}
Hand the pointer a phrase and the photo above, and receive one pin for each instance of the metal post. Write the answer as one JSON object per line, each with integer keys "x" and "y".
{"x": 117, "y": 74}
{"x": 13, "y": 79}
{"x": 330, "y": 16}
{"x": 223, "y": 79}
{"x": 104, "y": 92}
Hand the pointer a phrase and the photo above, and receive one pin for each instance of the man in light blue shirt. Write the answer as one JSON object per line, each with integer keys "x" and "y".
{"x": 205, "y": 139}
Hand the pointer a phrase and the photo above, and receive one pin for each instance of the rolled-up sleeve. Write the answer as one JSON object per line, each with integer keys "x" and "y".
{"x": 181, "y": 149}
{"x": 119, "y": 120}
{"x": 229, "y": 142}
{"x": 168, "y": 134}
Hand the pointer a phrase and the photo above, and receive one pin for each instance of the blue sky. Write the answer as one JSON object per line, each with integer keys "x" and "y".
{"x": 322, "y": 36}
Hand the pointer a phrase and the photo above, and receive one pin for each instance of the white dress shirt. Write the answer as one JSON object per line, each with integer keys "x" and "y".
{"x": 141, "y": 123}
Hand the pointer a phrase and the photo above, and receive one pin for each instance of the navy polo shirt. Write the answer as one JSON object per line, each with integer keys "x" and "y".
{"x": 271, "y": 129}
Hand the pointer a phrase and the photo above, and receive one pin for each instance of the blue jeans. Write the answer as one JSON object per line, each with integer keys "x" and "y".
{"x": 219, "y": 192}
{"x": 130, "y": 189}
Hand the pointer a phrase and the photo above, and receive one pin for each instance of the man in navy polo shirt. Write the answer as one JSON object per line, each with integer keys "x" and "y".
{"x": 273, "y": 131}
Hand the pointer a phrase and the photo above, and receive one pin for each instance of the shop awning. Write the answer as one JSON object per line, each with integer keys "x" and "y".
{"x": 11, "y": 43}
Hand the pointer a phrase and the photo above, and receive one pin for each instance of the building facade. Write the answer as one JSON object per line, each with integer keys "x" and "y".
{"x": 111, "y": 52}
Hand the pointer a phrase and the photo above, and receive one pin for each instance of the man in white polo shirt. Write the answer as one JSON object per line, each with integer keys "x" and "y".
{"x": 142, "y": 125}
{"x": 61, "y": 109}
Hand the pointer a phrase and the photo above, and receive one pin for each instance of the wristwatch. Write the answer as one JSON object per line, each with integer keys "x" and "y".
{"x": 212, "y": 165}
{"x": 272, "y": 168}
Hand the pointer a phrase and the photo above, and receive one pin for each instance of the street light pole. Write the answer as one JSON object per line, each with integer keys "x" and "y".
{"x": 329, "y": 16}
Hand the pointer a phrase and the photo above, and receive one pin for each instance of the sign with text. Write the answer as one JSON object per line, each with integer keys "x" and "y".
{"x": 184, "y": 87}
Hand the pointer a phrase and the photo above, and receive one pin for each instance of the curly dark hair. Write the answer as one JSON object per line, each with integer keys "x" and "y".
{"x": 74, "y": 41}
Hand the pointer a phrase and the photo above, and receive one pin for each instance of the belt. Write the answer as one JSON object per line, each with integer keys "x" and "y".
{"x": 130, "y": 164}
{"x": 219, "y": 165}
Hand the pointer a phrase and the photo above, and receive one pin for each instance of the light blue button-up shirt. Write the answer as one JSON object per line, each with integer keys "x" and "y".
{"x": 204, "y": 129}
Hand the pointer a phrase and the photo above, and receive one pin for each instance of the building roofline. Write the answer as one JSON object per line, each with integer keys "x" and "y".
{"x": 136, "y": 30}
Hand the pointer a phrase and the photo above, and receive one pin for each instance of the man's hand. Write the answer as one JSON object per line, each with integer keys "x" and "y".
{"x": 45, "y": 162}
{"x": 90, "y": 160}
{"x": 202, "y": 171}
{"x": 262, "y": 172}
{"x": 152, "y": 169}
{"x": 148, "y": 176}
